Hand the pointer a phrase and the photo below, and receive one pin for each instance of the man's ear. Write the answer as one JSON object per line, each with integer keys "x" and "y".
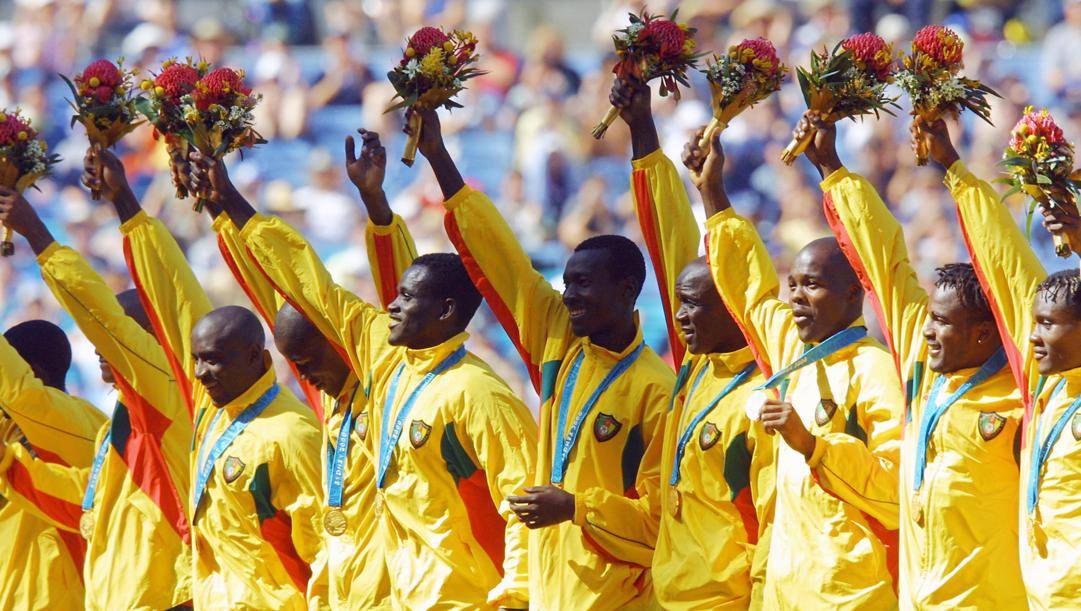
{"x": 629, "y": 290}
{"x": 449, "y": 309}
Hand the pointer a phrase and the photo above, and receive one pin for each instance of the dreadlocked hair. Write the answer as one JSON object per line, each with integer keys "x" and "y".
{"x": 1064, "y": 286}
{"x": 961, "y": 277}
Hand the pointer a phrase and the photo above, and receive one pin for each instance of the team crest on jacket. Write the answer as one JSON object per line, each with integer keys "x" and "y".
{"x": 418, "y": 433}
{"x": 232, "y": 469}
{"x": 991, "y": 424}
{"x": 1075, "y": 426}
{"x": 825, "y": 411}
{"x": 708, "y": 436}
{"x": 606, "y": 426}
{"x": 362, "y": 425}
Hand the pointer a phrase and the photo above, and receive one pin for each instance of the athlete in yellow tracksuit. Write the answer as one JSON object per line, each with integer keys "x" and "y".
{"x": 135, "y": 518}
{"x": 1011, "y": 274}
{"x": 603, "y": 407}
{"x": 42, "y": 566}
{"x": 720, "y": 501}
{"x": 831, "y": 539}
{"x": 448, "y": 532}
{"x": 959, "y": 495}
{"x": 254, "y": 525}
{"x": 354, "y": 568}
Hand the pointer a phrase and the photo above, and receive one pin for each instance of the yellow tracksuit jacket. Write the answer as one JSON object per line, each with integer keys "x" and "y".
{"x": 138, "y": 551}
{"x": 1010, "y": 272}
{"x": 601, "y": 559}
{"x": 42, "y": 564}
{"x": 353, "y": 570}
{"x": 724, "y": 488}
{"x": 450, "y": 537}
{"x": 254, "y": 532}
{"x": 832, "y": 543}
{"x": 958, "y": 531}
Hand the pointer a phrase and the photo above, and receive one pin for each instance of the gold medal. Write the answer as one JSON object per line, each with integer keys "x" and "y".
{"x": 86, "y": 524}
{"x": 334, "y": 521}
{"x": 674, "y": 501}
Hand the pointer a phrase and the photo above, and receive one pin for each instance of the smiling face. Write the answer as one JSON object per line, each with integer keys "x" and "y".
{"x": 595, "y": 300}
{"x": 1056, "y": 336}
{"x": 419, "y": 317}
{"x": 824, "y": 294}
{"x": 703, "y": 319}
{"x": 956, "y": 336}
{"x": 227, "y": 347}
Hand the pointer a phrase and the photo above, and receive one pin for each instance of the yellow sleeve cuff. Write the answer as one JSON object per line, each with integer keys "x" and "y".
{"x": 580, "y": 510}
{"x": 817, "y": 454}
{"x": 395, "y": 222}
{"x": 837, "y": 176}
{"x": 49, "y": 251}
{"x": 140, "y": 218}
{"x": 220, "y": 222}
{"x": 958, "y": 176}
{"x": 720, "y": 217}
{"x": 459, "y": 197}
{"x": 256, "y": 221}
{"x": 650, "y": 160}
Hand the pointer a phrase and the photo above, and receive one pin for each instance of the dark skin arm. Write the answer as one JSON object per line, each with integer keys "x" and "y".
{"x": 543, "y": 506}
{"x": 822, "y": 151}
{"x": 632, "y": 98}
{"x": 103, "y": 171}
{"x": 211, "y": 176}
{"x": 431, "y": 145}
{"x": 936, "y": 138}
{"x": 366, "y": 172}
{"x": 781, "y": 417}
{"x": 707, "y": 172}
{"x": 20, "y": 216}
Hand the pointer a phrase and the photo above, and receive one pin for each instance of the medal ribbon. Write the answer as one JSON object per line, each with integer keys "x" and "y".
{"x": 832, "y": 344}
{"x": 685, "y": 437}
{"x": 95, "y": 470}
{"x": 1040, "y": 452}
{"x": 235, "y": 428}
{"x": 390, "y": 436}
{"x": 564, "y": 444}
{"x": 934, "y": 410}
{"x": 336, "y": 455}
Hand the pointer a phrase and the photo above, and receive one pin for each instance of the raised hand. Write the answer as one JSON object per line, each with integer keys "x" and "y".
{"x": 934, "y": 138}
{"x": 632, "y": 98}
{"x": 822, "y": 150}
{"x": 367, "y": 172}
{"x": 209, "y": 177}
{"x": 17, "y": 214}
{"x": 431, "y": 131}
{"x": 542, "y": 506}
{"x": 103, "y": 174}
{"x": 706, "y": 167}
{"x": 781, "y": 417}
{"x": 1062, "y": 219}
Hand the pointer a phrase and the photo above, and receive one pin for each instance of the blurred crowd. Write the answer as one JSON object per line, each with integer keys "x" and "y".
{"x": 524, "y": 134}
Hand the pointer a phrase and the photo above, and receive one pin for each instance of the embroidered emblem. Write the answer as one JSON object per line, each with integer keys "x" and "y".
{"x": 991, "y": 424}
{"x": 1075, "y": 426}
{"x": 362, "y": 426}
{"x": 605, "y": 427}
{"x": 708, "y": 436}
{"x": 825, "y": 411}
{"x": 418, "y": 433}
{"x": 232, "y": 469}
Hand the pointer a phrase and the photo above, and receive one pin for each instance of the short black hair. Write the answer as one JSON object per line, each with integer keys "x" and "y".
{"x": 1064, "y": 286}
{"x": 44, "y": 346}
{"x": 961, "y": 277}
{"x": 449, "y": 278}
{"x": 625, "y": 260}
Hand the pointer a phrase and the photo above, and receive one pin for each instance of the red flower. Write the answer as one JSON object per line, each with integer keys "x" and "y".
{"x": 425, "y": 38}
{"x": 665, "y": 34}
{"x": 105, "y": 71}
{"x": 177, "y": 80}
{"x": 762, "y": 49}
{"x": 223, "y": 81}
{"x": 11, "y": 126}
{"x": 1034, "y": 128}
{"x": 940, "y": 43}
{"x": 871, "y": 53}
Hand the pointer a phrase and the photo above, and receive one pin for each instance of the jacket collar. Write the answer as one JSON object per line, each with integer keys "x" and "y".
{"x": 252, "y": 394}
{"x": 424, "y": 360}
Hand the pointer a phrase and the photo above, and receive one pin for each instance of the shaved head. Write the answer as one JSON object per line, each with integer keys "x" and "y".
{"x": 697, "y": 271}
{"x": 825, "y": 293}
{"x": 44, "y": 347}
{"x": 314, "y": 357}
{"x": 228, "y": 348}
{"x": 827, "y": 252}
{"x": 706, "y": 325}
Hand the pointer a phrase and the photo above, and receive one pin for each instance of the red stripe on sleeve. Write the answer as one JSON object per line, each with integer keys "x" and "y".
{"x": 644, "y": 202}
{"x": 745, "y": 507}
{"x": 499, "y": 307}
{"x": 57, "y": 509}
{"x": 277, "y": 531}
{"x": 384, "y": 260}
{"x": 487, "y": 526}
{"x": 759, "y": 358}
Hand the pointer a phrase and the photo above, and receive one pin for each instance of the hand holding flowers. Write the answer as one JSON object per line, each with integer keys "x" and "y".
{"x": 747, "y": 74}
{"x": 24, "y": 158}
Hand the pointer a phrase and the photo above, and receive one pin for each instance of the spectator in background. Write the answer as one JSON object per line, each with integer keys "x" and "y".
{"x": 329, "y": 214}
{"x": 1061, "y": 50}
{"x": 344, "y": 76}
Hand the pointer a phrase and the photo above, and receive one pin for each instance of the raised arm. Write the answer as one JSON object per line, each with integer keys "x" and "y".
{"x": 530, "y": 310}
{"x": 874, "y": 244}
{"x": 173, "y": 298}
{"x": 660, "y": 202}
{"x": 1008, "y": 269}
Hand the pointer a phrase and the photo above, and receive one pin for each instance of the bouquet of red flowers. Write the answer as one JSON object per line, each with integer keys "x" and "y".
{"x": 1039, "y": 163}
{"x": 749, "y": 73}
{"x": 652, "y": 47}
{"x": 929, "y": 75}
{"x": 433, "y": 69}
{"x": 211, "y": 110}
{"x": 104, "y": 103}
{"x": 24, "y": 158}
{"x": 849, "y": 81}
